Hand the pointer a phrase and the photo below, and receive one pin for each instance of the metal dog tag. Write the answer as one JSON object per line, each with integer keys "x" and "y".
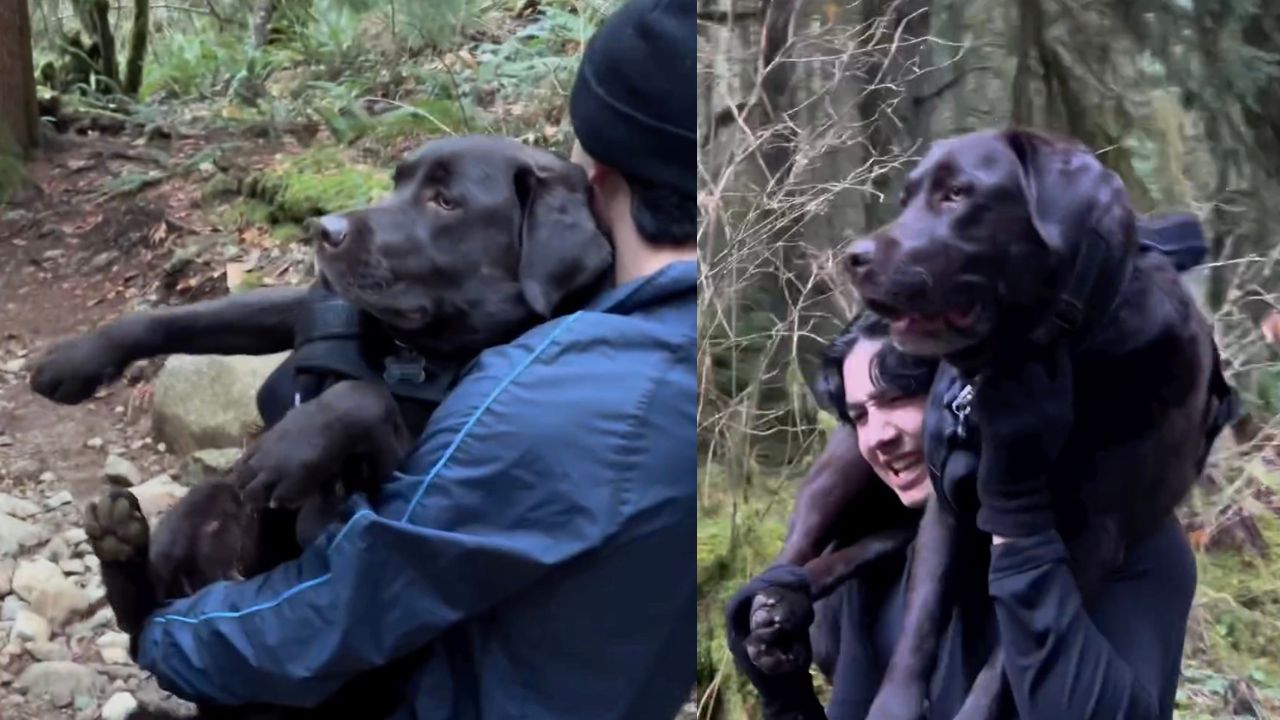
{"x": 406, "y": 367}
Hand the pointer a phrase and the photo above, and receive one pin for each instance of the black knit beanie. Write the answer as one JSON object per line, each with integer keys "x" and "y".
{"x": 633, "y": 105}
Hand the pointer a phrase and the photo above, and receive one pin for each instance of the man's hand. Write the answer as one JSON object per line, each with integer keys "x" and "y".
{"x": 1025, "y": 415}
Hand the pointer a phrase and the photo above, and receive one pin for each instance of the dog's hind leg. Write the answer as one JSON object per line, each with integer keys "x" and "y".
{"x": 120, "y": 538}
{"x": 903, "y": 692}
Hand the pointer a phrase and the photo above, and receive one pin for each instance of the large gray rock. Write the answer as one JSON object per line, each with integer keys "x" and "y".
{"x": 209, "y": 401}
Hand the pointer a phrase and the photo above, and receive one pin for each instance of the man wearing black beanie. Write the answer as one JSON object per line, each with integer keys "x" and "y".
{"x": 634, "y": 110}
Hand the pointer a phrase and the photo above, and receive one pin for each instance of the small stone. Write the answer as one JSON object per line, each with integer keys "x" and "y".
{"x": 120, "y": 472}
{"x": 101, "y": 261}
{"x": 13, "y": 366}
{"x": 10, "y": 608}
{"x": 16, "y": 535}
{"x": 217, "y": 461}
{"x": 48, "y": 477}
{"x": 161, "y": 447}
{"x": 60, "y": 681}
{"x": 30, "y": 627}
{"x": 56, "y": 550}
{"x": 50, "y": 650}
{"x": 119, "y": 706}
{"x": 75, "y": 536}
{"x": 17, "y": 507}
{"x": 113, "y": 639}
{"x": 57, "y": 500}
{"x": 72, "y": 566}
{"x": 115, "y": 656}
{"x": 101, "y": 619}
{"x": 7, "y": 566}
{"x": 93, "y": 443}
{"x": 92, "y": 562}
{"x": 157, "y": 495}
{"x": 25, "y": 468}
{"x": 95, "y": 591}
{"x": 50, "y": 593}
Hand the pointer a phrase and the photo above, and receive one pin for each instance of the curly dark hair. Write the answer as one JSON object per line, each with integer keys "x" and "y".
{"x": 892, "y": 370}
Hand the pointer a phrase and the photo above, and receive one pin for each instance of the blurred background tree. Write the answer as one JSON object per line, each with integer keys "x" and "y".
{"x": 811, "y": 111}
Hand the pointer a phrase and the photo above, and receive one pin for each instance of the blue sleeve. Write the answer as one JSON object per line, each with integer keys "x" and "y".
{"x": 1121, "y": 659}
{"x": 494, "y": 497}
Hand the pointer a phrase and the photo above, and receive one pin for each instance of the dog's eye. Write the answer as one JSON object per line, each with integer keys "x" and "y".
{"x": 955, "y": 194}
{"x": 442, "y": 201}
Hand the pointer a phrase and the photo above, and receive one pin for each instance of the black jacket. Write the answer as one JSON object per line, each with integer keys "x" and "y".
{"x": 1121, "y": 659}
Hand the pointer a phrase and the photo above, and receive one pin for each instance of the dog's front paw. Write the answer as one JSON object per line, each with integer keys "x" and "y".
{"x": 778, "y": 641}
{"x": 117, "y": 529}
{"x": 898, "y": 700}
{"x": 294, "y": 459}
{"x": 73, "y": 370}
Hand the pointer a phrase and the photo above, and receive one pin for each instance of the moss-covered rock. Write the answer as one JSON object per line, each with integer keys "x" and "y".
{"x": 316, "y": 182}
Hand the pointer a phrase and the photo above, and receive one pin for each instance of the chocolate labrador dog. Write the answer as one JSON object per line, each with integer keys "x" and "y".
{"x": 1007, "y": 242}
{"x": 481, "y": 239}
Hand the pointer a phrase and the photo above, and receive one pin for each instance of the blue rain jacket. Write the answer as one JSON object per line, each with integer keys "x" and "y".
{"x": 540, "y": 538}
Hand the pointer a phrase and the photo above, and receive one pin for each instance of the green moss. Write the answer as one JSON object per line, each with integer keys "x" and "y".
{"x": 736, "y": 540}
{"x": 317, "y": 182}
{"x": 243, "y": 213}
{"x": 1239, "y": 596}
{"x": 288, "y": 233}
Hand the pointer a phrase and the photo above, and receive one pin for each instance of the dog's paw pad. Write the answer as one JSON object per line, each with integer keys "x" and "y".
{"x": 778, "y": 639}
{"x": 116, "y": 527}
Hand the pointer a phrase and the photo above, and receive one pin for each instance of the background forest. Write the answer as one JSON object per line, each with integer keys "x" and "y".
{"x": 811, "y": 111}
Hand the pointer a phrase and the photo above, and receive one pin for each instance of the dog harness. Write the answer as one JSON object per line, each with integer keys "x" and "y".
{"x": 333, "y": 341}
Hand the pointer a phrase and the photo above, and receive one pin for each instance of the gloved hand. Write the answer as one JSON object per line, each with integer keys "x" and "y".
{"x": 1024, "y": 416}
{"x": 785, "y": 696}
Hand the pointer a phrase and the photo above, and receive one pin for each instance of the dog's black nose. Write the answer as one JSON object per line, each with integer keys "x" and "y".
{"x": 860, "y": 254}
{"x": 331, "y": 230}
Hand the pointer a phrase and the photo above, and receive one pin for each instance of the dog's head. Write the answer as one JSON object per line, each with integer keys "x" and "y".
{"x": 987, "y": 243}
{"x": 481, "y": 238}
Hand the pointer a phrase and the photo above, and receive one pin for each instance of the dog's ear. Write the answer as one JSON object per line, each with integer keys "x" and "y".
{"x": 1069, "y": 193}
{"x": 562, "y": 251}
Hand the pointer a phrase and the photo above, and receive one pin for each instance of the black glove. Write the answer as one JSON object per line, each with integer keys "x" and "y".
{"x": 1024, "y": 415}
{"x": 788, "y": 696}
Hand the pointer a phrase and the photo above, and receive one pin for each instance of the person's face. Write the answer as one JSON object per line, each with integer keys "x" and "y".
{"x": 890, "y": 429}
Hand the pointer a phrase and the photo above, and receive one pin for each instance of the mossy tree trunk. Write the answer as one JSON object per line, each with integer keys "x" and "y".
{"x": 137, "y": 47}
{"x": 18, "y": 117}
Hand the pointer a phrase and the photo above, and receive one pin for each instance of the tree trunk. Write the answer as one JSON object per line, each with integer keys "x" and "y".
{"x": 18, "y": 118}
{"x": 262, "y": 15}
{"x": 137, "y": 47}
